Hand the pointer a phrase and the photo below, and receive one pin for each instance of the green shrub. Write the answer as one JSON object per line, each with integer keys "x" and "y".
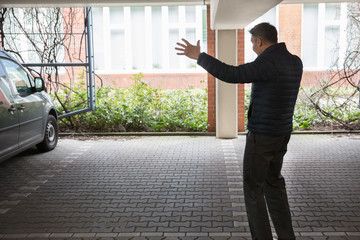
{"x": 306, "y": 116}
{"x": 336, "y": 107}
{"x": 142, "y": 108}
{"x": 139, "y": 108}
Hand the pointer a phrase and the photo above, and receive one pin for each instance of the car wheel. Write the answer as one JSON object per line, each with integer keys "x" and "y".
{"x": 51, "y": 135}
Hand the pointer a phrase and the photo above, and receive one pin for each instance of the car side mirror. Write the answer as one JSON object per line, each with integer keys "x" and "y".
{"x": 39, "y": 84}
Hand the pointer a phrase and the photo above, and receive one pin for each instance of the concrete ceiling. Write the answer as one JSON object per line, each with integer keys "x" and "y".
{"x": 225, "y": 14}
{"x": 237, "y": 14}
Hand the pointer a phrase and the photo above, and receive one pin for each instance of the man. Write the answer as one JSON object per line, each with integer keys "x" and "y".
{"x": 275, "y": 76}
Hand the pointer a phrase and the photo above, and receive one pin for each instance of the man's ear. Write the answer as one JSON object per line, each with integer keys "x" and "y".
{"x": 259, "y": 42}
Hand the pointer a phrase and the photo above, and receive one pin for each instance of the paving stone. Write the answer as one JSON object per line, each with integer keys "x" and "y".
{"x": 106, "y": 235}
{"x": 348, "y": 229}
{"x": 152, "y": 234}
{"x": 14, "y": 236}
{"x": 174, "y": 234}
{"x": 211, "y": 229}
{"x": 190, "y": 229}
{"x": 312, "y": 234}
{"x": 84, "y": 235}
{"x": 145, "y": 229}
{"x": 38, "y": 235}
{"x": 81, "y": 230}
{"x": 61, "y": 235}
{"x": 129, "y": 234}
{"x": 353, "y": 234}
{"x": 178, "y": 184}
{"x": 168, "y": 229}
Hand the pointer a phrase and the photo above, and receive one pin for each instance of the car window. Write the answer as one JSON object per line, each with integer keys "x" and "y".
{"x": 5, "y": 92}
{"x": 18, "y": 77}
{"x": 4, "y": 95}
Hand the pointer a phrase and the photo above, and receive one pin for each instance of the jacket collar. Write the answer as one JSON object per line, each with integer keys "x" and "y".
{"x": 272, "y": 48}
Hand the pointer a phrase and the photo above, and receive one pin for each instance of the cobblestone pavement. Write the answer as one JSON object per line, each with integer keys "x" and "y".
{"x": 173, "y": 187}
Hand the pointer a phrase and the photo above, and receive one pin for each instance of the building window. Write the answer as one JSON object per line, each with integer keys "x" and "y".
{"x": 116, "y": 34}
{"x": 133, "y": 39}
{"x": 323, "y": 35}
{"x": 173, "y": 38}
{"x": 190, "y": 31}
{"x": 138, "y": 37}
{"x": 99, "y": 38}
{"x": 309, "y": 35}
{"x": 157, "y": 41}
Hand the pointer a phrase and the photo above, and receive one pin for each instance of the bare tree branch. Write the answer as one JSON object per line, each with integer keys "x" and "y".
{"x": 51, "y": 37}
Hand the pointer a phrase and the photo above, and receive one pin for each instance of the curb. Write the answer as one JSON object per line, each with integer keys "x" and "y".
{"x": 328, "y": 132}
{"x": 140, "y": 134}
{"x": 191, "y": 133}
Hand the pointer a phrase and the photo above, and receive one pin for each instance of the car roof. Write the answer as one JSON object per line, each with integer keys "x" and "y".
{"x": 6, "y": 55}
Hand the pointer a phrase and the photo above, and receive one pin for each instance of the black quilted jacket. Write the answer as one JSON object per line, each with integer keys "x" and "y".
{"x": 275, "y": 76}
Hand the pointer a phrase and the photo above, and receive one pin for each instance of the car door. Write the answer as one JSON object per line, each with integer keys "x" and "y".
{"x": 30, "y": 105}
{"x": 9, "y": 117}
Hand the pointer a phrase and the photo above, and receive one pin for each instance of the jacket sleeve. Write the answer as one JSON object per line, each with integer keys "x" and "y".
{"x": 256, "y": 71}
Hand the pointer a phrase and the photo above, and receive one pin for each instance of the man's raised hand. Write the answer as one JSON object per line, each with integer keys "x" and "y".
{"x": 191, "y": 51}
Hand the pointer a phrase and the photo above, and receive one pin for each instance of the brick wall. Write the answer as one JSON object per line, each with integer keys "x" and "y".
{"x": 290, "y": 20}
{"x": 211, "y": 80}
{"x": 161, "y": 80}
{"x": 241, "y": 93}
{"x": 338, "y": 79}
{"x": 74, "y": 39}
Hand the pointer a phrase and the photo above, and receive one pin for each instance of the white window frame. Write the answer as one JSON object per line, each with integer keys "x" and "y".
{"x": 322, "y": 24}
{"x": 148, "y": 55}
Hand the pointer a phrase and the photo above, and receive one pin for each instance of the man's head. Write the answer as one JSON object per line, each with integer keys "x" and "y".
{"x": 263, "y": 36}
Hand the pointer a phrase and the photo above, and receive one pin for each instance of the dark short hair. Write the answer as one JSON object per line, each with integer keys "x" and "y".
{"x": 265, "y": 31}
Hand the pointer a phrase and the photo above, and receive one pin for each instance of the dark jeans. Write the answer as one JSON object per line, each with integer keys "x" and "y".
{"x": 263, "y": 159}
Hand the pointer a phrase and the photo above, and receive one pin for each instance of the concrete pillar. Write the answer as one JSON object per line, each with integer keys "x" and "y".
{"x": 226, "y": 94}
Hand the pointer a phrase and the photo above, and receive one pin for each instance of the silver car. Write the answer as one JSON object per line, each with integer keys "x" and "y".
{"x": 27, "y": 113}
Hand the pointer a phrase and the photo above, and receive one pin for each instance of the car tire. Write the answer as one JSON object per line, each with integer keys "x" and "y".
{"x": 51, "y": 135}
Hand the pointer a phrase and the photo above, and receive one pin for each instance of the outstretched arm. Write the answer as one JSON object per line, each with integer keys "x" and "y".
{"x": 191, "y": 51}
{"x": 245, "y": 73}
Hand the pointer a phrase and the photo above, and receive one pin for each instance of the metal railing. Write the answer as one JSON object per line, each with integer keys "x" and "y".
{"x": 89, "y": 65}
